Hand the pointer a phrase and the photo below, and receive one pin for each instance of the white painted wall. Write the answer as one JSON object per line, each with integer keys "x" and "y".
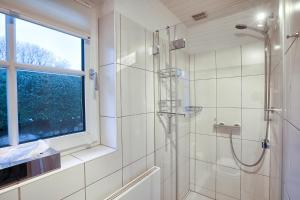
{"x": 152, "y": 14}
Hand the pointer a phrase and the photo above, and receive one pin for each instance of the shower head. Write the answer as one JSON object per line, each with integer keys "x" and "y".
{"x": 241, "y": 26}
{"x": 244, "y": 26}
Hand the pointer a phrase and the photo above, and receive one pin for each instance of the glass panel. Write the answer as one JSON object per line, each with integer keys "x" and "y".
{"x": 50, "y": 105}
{"x": 38, "y": 45}
{"x": 3, "y": 109}
{"x": 2, "y": 38}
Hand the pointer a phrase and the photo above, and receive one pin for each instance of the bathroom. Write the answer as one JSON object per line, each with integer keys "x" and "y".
{"x": 149, "y": 99}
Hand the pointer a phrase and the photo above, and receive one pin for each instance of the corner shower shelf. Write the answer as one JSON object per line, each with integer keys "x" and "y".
{"x": 193, "y": 109}
{"x": 170, "y": 72}
{"x": 170, "y": 113}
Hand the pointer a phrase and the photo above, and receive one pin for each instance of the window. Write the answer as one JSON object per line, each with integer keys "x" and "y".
{"x": 49, "y": 105}
{"x": 46, "y": 82}
{"x": 3, "y": 109}
{"x": 2, "y": 38}
{"x": 37, "y": 45}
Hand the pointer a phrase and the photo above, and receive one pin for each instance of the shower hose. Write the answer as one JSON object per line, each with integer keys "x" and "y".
{"x": 265, "y": 141}
{"x": 261, "y": 155}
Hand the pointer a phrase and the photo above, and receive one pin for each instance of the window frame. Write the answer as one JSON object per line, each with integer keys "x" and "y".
{"x": 67, "y": 142}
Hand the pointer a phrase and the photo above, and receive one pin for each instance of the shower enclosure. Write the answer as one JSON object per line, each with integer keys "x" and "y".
{"x": 171, "y": 64}
{"x": 208, "y": 104}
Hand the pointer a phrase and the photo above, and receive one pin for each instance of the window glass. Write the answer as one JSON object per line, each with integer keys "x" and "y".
{"x": 38, "y": 45}
{"x": 49, "y": 105}
{"x": 2, "y": 38}
{"x": 3, "y": 109}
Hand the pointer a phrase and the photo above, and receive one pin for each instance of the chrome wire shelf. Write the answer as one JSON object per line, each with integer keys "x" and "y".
{"x": 170, "y": 73}
{"x": 193, "y": 109}
{"x": 170, "y": 113}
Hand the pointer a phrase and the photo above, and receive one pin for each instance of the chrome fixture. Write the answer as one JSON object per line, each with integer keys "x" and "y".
{"x": 13, "y": 172}
{"x": 235, "y": 127}
{"x": 168, "y": 77}
{"x": 267, "y": 109}
{"x": 193, "y": 109}
{"x": 296, "y": 35}
{"x": 177, "y": 44}
{"x": 244, "y": 26}
{"x": 93, "y": 75}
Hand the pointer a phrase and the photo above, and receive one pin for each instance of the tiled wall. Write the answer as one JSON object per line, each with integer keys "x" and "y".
{"x": 291, "y": 91}
{"x": 127, "y": 121}
{"x": 229, "y": 84}
{"x": 127, "y": 96}
{"x": 276, "y": 125}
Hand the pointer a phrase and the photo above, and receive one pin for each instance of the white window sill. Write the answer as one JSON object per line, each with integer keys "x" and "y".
{"x": 67, "y": 162}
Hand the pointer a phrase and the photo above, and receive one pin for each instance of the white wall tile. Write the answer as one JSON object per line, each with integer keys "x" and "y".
{"x": 255, "y": 187}
{"x": 11, "y": 195}
{"x": 228, "y": 67}
{"x": 160, "y": 131}
{"x": 150, "y": 160}
{"x": 149, "y": 51}
{"x": 57, "y": 186}
{"x": 150, "y": 133}
{"x": 193, "y": 145}
{"x": 132, "y": 43}
{"x": 109, "y": 131}
{"x": 107, "y": 51}
{"x": 229, "y": 116}
{"x": 109, "y": 87}
{"x": 228, "y": 181}
{"x": 192, "y": 93}
{"x": 169, "y": 191}
{"x": 105, "y": 187}
{"x": 150, "y": 91}
{"x": 133, "y": 91}
{"x": 205, "y": 66}
{"x": 229, "y": 92}
{"x": 253, "y": 91}
{"x": 253, "y": 124}
{"x": 165, "y": 159}
{"x": 205, "y": 121}
{"x": 205, "y": 91}
{"x": 205, "y": 178}
{"x": 224, "y": 152}
{"x": 134, "y": 138}
{"x": 206, "y": 148}
{"x": 77, "y": 196}
{"x": 133, "y": 170}
{"x": 223, "y": 197}
{"x": 192, "y": 174}
{"x": 291, "y": 158}
{"x": 98, "y": 168}
{"x": 192, "y": 67}
{"x": 253, "y": 59}
{"x": 292, "y": 84}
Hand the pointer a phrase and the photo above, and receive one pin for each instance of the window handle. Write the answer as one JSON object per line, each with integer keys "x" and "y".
{"x": 94, "y": 76}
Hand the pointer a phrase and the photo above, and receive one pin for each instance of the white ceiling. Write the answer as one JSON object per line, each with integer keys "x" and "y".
{"x": 184, "y": 9}
{"x": 217, "y": 30}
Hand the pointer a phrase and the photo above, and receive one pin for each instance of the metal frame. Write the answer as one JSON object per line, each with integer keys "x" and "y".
{"x": 168, "y": 107}
{"x": 74, "y": 140}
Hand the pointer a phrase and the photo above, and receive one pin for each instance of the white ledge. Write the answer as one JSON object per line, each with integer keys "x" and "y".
{"x": 67, "y": 162}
